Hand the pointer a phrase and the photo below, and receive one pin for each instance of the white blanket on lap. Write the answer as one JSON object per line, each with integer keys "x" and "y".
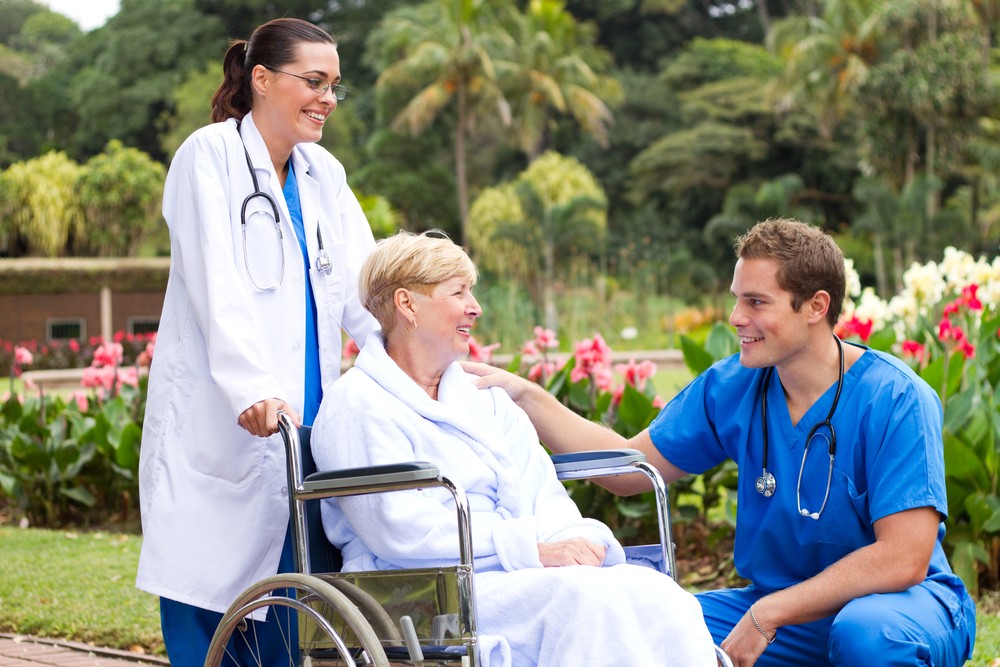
{"x": 375, "y": 414}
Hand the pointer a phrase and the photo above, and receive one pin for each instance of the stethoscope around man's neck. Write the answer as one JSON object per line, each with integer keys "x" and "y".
{"x": 323, "y": 262}
{"x": 766, "y": 483}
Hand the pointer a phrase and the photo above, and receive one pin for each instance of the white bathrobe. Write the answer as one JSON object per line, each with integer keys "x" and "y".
{"x": 526, "y": 614}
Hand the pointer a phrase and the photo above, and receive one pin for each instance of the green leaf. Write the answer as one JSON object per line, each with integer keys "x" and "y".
{"x": 722, "y": 341}
{"x": 963, "y": 464}
{"x": 697, "y": 358}
{"x": 80, "y": 495}
{"x": 882, "y": 340}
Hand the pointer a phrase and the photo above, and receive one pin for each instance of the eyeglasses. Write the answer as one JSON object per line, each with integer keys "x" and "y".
{"x": 318, "y": 86}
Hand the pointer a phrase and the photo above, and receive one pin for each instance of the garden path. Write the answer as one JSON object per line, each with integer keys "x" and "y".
{"x": 22, "y": 651}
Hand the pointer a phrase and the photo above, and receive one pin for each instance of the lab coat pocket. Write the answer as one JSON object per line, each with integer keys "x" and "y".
{"x": 333, "y": 286}
{"x": 216, "y": 447}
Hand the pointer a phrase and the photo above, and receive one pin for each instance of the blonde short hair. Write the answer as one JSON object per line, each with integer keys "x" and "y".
{"x": 412, "y": 261}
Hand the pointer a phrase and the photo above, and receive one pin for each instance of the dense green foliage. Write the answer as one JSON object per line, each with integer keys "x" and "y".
{"x": 872, "y": 118}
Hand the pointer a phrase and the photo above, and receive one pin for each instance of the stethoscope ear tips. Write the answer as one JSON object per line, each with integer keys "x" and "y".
{"x": 811, "y": 515}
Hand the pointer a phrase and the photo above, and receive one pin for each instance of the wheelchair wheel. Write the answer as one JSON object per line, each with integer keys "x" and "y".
{"x": 311, "y": 623}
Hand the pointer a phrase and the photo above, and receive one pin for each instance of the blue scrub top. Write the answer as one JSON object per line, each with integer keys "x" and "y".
{"x": 313, "y": 383}
{"x": 889, "y": 458}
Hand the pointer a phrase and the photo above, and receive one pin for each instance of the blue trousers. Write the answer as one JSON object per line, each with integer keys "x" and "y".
{"x": 924, "y": 625}
{"x": 187, "y": 630}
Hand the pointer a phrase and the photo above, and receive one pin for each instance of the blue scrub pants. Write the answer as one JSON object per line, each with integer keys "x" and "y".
{"x": 187, "y": 630}
{"x": 924, "y": 625}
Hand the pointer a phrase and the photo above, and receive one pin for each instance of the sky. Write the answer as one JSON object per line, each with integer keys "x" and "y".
{"x": 89, "y": 14}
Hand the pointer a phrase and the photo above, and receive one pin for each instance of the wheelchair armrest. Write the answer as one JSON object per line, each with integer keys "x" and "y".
{"x": 371, "y": 479}
{"x": 596, "y": 463}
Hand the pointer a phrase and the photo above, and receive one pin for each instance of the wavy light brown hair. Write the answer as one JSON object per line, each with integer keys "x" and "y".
{"x": 808, "y": 260}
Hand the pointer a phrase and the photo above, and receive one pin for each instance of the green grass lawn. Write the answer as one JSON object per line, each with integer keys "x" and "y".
{"x": 80, "y": 586}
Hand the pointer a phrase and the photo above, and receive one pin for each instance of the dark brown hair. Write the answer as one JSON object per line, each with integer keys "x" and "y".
{"x": 808, "y": 260}
{"x": 272, "y": 44}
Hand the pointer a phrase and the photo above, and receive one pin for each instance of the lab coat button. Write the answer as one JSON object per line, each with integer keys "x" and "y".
{"x": 284, "y": 490}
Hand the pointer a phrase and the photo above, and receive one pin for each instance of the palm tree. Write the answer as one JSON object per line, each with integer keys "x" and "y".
{"x": 555, "y": 69}
{"x": 827, "y": 57}
{"x": 437, "y": 55}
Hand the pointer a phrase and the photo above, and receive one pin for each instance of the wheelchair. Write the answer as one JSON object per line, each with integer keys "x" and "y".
{"x": 424, "y": 617}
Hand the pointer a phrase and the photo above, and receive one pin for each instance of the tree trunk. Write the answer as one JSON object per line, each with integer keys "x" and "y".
{"x": 461, "y": 180}
{"x": 548, "y": 288}
{"x": 881, "y": 279}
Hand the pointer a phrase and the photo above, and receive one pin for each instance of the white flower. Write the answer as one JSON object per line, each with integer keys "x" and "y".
{"x": 871, "y": 308}
{"x": 853, "y": 279}
{"x": 924, "y": 284}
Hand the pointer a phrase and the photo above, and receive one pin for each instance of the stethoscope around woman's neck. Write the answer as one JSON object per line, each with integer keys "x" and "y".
{"x": 323, "y": 262}
{"x": 766, "y": 483}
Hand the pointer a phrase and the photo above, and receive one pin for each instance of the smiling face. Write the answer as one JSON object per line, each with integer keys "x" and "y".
{"x": 771, "y": 332}
{"x": 286, "y": 109}
{"x": 444, "y": 320}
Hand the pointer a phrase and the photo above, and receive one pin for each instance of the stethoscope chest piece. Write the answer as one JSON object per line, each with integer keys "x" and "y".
{"x": 323, "y": 262}
{"x": 765, "y": 484}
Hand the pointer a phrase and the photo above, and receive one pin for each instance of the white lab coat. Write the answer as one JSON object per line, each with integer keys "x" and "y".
{"x": 213, "y": 498}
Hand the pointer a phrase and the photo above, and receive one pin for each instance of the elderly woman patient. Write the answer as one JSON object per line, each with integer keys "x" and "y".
{"x": 552, "y": 587}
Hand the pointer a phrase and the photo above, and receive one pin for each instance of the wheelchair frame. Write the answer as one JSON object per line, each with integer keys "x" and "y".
{"x": 345, "y": 612}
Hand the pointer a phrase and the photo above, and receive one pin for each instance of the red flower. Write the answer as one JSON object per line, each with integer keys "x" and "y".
{"x": 855, "y": 327}
{"x": 912, "y": 348}
{"x": 944, "y": 329}
{"x": 970, "y": 299}
{"x": 478, "y": 352}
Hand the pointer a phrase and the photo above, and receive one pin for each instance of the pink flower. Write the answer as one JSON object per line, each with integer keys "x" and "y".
{"x": 604, "y": 378}
{"x": 108, "y": 354}
{"x": 128, "y": 375}
{"x": 593, "y": 359}
{"x": 659, "y": 403}
{"x": 478, "y": 352}
{"x": 636, "y": 374}
{"x": 22, "y": 356}
{"x": 545, "y": 339}
{"x": 530, "y": 350}
{"x": 74, "y": 345}
{"x": 98, "y": 377}
{"x": 81, "y": 400}
{"x": 541, "y": 370}
{"x": 967, "y": 348}
{"x": 350, "y": 350}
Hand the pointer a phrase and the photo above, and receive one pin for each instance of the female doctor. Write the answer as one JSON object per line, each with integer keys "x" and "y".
{"x": 266, "y": 244}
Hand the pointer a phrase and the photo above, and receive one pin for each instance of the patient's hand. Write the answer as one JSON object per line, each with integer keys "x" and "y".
{"x": 574, "y": 551}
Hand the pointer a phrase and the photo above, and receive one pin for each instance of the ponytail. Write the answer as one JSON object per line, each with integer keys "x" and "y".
{"x": 233, "y": 98}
